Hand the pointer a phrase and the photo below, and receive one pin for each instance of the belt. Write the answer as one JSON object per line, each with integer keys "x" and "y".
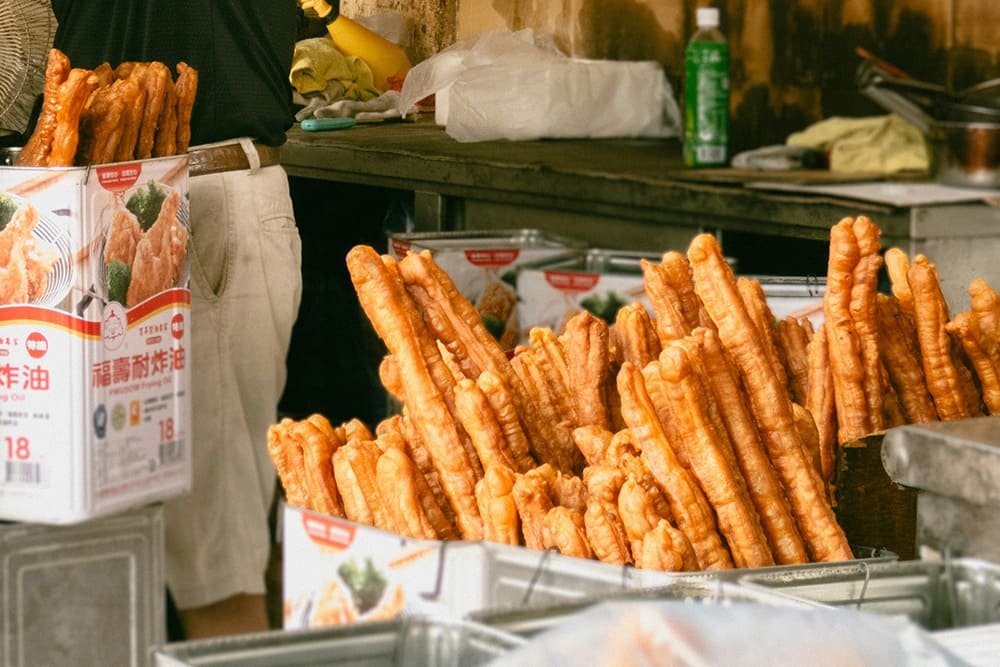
{"x": 228, "y": 157}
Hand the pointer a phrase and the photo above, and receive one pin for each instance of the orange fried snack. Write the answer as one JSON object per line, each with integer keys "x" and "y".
{"x": 983, "y": 356}
{"x": 667, "y": 549}
{"x": 186, "y": 88}
{"x": 688, "y": 504}
{"x": 763, "y": 483}
{"x": 864, "y": 293}
{"x": 621, "y": 448}
{"x": 165, "y": 137}
{"x": 39, "y": 145}
{"x": 155, "y": 77}
{"x": 432, "y": 497}
{"x": 755, "y": 302}
{"x": 792, "y": 336}
{"x": 101, "y": 126}
{"x": 499, "y": 397}
{"x": 550, "y": 356}
{"x": 944, "y": 381}
{"x": 635, "y": 335}
{"x": 566, "y": 490}
{"x": 986, "y": 308}
{"x": 388, "y": 375}
{"x": 769, "y": 402}
{"x": 287, "y": 459}
{"x": 532, "y": 500}
{"x": 355, "y": 467}
{"x": 476, "y": 415}
{"x": 842, "y": 339}
{"x": 135, "y": 106}
{"x": 555, "y": 443}
{"x": 806, "y": 427}
{"x": 382, "y": 299}
{"x": 670, "y": 322}
{"x": 677, "y": 274}
{"x": 897, "y": 265}
{"x": 564, "y": 529}
{"x": 495, "y": 496}
{"x": 604, "y": 528}
{"x": 820, "y": 401}
{"x": 587, "y": 356}
{"x": 592, "y": 441}
{"x": 396, "y": 476}
{"x": 901, "y": 356}
{"x": 317, "y": 467}
{"x": 722, "y": 483}
{"x": 73, "y": 94}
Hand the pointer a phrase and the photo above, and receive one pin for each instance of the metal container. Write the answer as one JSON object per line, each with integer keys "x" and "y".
{"x": 934, "y": 594}
{"x": 88, "y": 594}
{"x": 409, "y": 642}
{"x": 8, "y": 156}
{"x": 529, "y": 620}
{"x": 955, "y": 469}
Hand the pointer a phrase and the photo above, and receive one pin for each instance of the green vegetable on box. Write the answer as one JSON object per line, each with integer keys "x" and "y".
{"x": 366, "y": 585}
{"x": 145, "y": 203}
{"x": 7, "y": 209}
{"x": 605, "y": 307}
{"x": 494, "y": 326}
{"x": 118, "y": 278}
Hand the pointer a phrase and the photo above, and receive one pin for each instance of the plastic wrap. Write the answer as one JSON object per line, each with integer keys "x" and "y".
{"x": 677, "y": 634}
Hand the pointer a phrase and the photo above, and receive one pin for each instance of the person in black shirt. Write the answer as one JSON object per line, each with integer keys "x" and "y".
{"x": 245, "y": 276}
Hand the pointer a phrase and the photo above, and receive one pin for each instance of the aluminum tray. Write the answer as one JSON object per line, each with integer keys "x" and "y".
{"x": 408, "y": 642}
{"x": 934, "y": 594}
{"x": 529, "y": 620}
{"x": 481, "y": 238}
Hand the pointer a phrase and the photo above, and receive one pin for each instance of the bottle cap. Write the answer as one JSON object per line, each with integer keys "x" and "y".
{"x": 707, "y": 17}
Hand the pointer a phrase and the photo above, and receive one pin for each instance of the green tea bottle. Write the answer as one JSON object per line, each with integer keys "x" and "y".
{"x": 706, "y": 93}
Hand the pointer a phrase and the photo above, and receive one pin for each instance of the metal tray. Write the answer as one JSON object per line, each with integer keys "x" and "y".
{"x": 529, "y": 620}
{"x": 409, "y": 642}
{"x": 481, "y": 238}
{"x": 934, "y": 594}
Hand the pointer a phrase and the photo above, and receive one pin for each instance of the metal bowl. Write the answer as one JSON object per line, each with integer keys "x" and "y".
{"x": 966, "y": 154}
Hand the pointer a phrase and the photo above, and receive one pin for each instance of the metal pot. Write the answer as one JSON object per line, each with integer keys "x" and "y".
{"x": 966, "y": 154}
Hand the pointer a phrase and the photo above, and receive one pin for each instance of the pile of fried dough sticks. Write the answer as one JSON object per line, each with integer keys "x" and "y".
{"x": 700, "y": 436}
{"x": 133, "y": 111}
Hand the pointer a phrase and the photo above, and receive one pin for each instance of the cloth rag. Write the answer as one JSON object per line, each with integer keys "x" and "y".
{"x": 885, "y": 144}
{"x": 317, "y": 65}
{"x": 322, "y": 105}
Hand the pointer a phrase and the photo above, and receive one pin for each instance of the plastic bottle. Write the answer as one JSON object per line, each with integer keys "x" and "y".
{"x": 706, "y": 93}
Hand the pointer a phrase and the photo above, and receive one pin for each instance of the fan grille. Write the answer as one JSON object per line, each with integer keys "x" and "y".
{"x": 26, "y": 31}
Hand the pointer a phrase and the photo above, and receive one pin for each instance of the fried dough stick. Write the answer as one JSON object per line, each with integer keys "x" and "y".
{"x": 897, "y": 265}
{"x": 982, "y": 355}
{"x": 476, "y": 415}
{"x": 901, "y": 355}
{"x": 605, "y": 531}
{"x": 155, "y": 77}
{"x": 532, "y": 500}
{"x": 556, "y": 444}
{"x": 135, "y": 105}
{"x": 396, "y": 476}
{"x": 769, "y": 402}
{"x": 944, "y": 380}
{"x": 355, "y": 467}
{"x": 165, "y": 138}
{"x": 432, "y": 496}
{"x": 635, "y": 335}
{"x": 721, "y": 482}
{"x": 287, "y": 459}
{"x": 186, "y": 88}
{"x": 845, "y": 348}
{"x": 762, "y": 480}
{"x": 677, "y": 273}
{"x": 864, "y": 293}
{"x": 820, "y": 401}
{"x": 593, "y": 442}
{"x": 39, "y": 145}
{"x": 654, "y": 542}
{"x": 551, "y": 359}
{"x": 587, "y": 356}
{"x": 383, "y": 301}
{"x": 755, "y": 302}
{"x": 565, "y": 530}
{"x": 494, "y": 494}
{"x": 805, "y": 425}
{"x": 73, "y": 94}
{"x": 792, "y": 336}
{"x": 101, "y": 126}
{"x": 499, "y": 398}
{"x": 687, "y": 501}
{"x": 317, "y": 460}
{"x": 986, "y": 307}
{"x": 566, "y": 490}
{"x": 670, "y": 322}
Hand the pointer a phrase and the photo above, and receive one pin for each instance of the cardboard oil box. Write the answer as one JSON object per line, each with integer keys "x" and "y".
{"x": 483, "y": 265}
{"x": 95, "y": 338}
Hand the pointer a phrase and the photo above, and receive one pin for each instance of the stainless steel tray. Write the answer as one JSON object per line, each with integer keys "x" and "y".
{"x": 934, "y": 594}
{"x": 408, "y": 642}
{"x": 481, "y": 238}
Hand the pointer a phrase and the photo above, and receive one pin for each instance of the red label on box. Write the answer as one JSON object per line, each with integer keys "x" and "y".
{"x": 328, "y": 532}
{"x": 497, "y": 257}
{"x": 119, "y": 177}
{"x": 572, "y": 282}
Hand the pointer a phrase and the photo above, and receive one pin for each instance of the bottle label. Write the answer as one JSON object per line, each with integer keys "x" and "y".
{"x": 706, "y": 104}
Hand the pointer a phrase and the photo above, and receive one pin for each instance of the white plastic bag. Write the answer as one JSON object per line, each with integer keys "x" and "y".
{"x": 513, "y": 85}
